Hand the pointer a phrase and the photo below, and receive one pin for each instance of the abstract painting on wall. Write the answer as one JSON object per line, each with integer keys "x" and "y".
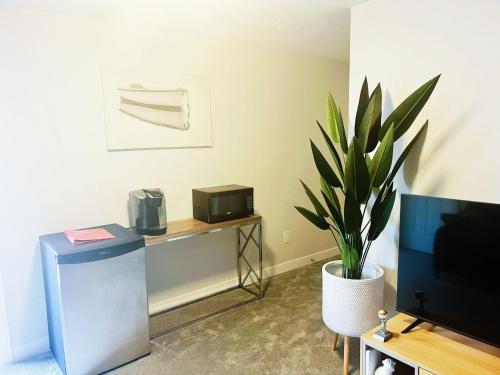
{"x": 145, "y": 108}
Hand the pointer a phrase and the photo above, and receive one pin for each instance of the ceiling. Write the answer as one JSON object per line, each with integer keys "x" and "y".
{"x": 315, "y": 27}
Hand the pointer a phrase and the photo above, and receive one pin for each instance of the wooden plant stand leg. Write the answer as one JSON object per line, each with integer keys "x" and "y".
{"x": 346, "y": 355}
{"x": 334, "y": 341}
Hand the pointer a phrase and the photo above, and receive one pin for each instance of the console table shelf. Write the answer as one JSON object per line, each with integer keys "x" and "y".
{"x": 434, "y": 350}
{"x": 179, "y": 229}
{"x": 248, "y": 236}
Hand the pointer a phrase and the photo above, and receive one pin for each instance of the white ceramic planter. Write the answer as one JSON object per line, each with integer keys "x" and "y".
{"x": 350, "y": 306}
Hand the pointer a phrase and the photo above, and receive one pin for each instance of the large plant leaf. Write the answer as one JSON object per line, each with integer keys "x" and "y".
{"x": 324, "y": 168}
{"x": 333, "y": 151}
{"x": 331, "y": 118}
{"x": 313, "y": 218}
{"x": 404, "y": 115}
{"x": 375, "y": 128}
{"x": 316, "y": 203}
{"x": 364, "y": 96}
{"x": 357, "y": 177}
{"x": 335, "y": 123}
{"x": 370, "y": 123}
{"x": 404, "y": 154}
{"x": 341, "y": 131}
{"x": 335, "y": 214}
{"x": 352, "y": 214}
{"x": 330, "y": 193}
{"x": 368, "y": 161}
{"x": 380, "y": 214}
{"x": 381, "y": 163}
{"x": 350, "y": 257}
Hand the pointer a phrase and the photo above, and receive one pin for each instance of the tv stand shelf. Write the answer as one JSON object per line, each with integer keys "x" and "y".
{"x": 433, "y": 350}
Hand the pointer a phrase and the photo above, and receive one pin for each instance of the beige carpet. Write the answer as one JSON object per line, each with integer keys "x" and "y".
{"x": 280, "y": 334}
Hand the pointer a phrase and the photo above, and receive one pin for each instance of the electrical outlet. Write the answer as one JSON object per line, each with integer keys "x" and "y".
{"x": 286, "y": 236}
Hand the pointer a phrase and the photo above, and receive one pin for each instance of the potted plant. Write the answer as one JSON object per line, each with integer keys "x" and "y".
{"x": 353, "y": 289}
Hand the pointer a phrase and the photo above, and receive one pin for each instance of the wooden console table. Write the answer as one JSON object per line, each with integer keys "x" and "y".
{"x": 432, "y": 350}
{"x": 181, "y": 229}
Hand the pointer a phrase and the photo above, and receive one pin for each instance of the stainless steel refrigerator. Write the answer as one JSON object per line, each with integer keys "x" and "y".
{"x": 97, "y": 307}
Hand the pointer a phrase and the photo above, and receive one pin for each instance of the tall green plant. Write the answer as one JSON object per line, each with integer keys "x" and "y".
{"x": 357, "y": 174}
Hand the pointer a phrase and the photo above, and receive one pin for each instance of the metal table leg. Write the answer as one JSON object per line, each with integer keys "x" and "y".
{"x": 245, "y": 267}
{"x": 238, "y": 245}
{"x": 261, "y": 289}
{"x": 245, "y": 272}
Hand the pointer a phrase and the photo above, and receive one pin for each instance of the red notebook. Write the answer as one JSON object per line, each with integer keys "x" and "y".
{"x": 87, "y": 235}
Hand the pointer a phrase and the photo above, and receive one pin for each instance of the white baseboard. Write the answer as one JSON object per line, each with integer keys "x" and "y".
{"x": 30, "y": 350}
{"x": 168, "y": 303}
{"x": 300, "y": 262}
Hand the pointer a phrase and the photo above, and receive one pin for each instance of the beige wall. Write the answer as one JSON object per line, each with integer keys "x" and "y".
{"x": 404, "y": 43}
{"x": 57, "y": 174}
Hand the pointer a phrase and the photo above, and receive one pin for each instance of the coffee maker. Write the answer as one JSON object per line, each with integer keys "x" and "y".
{"x": 147, "y": 211}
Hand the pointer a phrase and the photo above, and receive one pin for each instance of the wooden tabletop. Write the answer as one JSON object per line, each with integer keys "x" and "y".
{"x": 190, "y": 227}
{"x": 437, "y": 349}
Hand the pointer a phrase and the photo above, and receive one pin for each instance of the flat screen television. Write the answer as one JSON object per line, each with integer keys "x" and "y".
{"x": 449, "y": 265}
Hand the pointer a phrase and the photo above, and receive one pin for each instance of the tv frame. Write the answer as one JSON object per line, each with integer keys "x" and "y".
{"x": 420, "y": 319}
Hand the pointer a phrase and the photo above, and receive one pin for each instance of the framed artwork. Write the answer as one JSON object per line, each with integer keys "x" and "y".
{"x": 147, "y": 108}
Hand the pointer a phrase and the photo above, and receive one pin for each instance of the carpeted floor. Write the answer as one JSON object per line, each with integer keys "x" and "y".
{"x": 280, "y": 334}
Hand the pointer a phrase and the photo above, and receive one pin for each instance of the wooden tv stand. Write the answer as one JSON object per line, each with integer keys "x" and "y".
{"x": 428, "y": 350}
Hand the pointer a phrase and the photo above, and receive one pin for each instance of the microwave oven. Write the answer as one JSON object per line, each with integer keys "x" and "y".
{"x": 221, "y": 203}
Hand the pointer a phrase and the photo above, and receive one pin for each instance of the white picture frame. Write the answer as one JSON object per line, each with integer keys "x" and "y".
{"x": 149, "y": 109}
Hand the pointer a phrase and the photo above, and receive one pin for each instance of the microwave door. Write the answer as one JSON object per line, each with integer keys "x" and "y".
{"x": 227, "y": 206}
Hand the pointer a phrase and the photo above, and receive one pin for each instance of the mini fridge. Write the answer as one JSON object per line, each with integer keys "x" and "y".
{"x": 97, "y": 306}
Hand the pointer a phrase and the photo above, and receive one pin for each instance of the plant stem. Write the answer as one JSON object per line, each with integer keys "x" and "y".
{"x": 364, "y": 210}
{"x": 336, "y": 229}
{"x": 363, "y": 258}
{"x": 368, "y": 222}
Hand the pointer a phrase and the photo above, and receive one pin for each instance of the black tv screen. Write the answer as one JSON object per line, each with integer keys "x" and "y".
{"x": 449, "y": 265}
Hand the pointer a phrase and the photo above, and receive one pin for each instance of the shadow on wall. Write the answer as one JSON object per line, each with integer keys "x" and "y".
{"x": 389, "y": 290}
{"x": 413, "y": 162}
{"x": 419, "y": 163}
{"x": 34, "y": 313}
{"x": 416, "y": 160}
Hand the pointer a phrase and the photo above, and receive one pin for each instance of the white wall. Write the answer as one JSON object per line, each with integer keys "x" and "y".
{"x": 5, "y": 350}
{"x": 57, "y": 174}
{"x": 404, "y": 43}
